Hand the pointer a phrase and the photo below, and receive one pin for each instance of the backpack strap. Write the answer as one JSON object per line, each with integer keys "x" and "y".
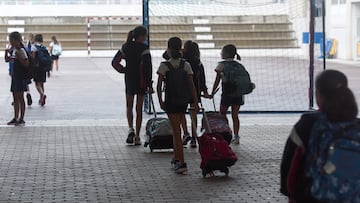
{"x": 182, "y": 63}
{"x": 170, "y": 66}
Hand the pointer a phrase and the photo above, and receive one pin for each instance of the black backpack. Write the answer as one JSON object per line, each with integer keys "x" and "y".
{"x": 29, "y": 71}
{"x": 43, "y": 59}
{"x": 177, "y": 90}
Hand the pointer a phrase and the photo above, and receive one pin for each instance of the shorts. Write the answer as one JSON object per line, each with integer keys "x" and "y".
{"x": 18, "y": 85}
{"x": 175, "y": 109}
{"x": 229, "y": 101}
{"x": 54, "y": 57}
{"x": 40, "y": 76}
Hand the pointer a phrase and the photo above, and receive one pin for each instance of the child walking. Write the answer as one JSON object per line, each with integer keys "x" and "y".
{"x": 138, "y": 78}
{"x": 177, "y": 75}
{"x": 229, "y": 97}
{"x": 191, "y": 54}
{"x": 18, "y": 76}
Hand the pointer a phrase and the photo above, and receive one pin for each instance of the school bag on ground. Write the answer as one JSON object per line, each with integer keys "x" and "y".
{"x": 332, "y": 165}
{"x": 42, "y": 57}
{"x": 56, "y": 50}
{"x": 159, "y": 133}
{"x": 236, "y": 80}
{"x": 215, "y": 152}
{"x": 216, "y": 123}
{"x": 177, "y": 90}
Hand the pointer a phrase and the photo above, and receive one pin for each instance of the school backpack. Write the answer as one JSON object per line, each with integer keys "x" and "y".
{"x": 236, "y": 80}
{"x": 177, "y": 90}
{"x": 332, "y": 164}
{"x": 29, "y": 70}
{"x": 42, "y": 58}
{"x": 56, "y": 50}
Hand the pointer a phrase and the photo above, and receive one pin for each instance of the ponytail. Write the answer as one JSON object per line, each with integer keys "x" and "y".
{"x": 130, "y": 36}
{"x": 339, "y": 102}
{"x": 134, "y": 34}
{"x": 231, "y": 51}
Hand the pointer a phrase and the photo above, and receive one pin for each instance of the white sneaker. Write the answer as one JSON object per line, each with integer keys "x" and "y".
{"x": 236, "y": 140}
{"x": 137, "y": 140}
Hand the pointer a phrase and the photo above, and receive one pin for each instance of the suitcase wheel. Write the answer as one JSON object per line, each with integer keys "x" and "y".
{"x": 151, "y": 149}
{"x": 204, "y": 173}
{"x": 225, "y": 170}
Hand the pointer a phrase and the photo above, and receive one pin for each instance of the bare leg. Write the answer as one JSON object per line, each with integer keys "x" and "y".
{"x": 194, "y": 123}
{"x": 57, "y": 65}
{"x": 235, "y": 117}
{"x": 223, "y": 110}
{"x": 16, "y": 105}
{"x": 175, "y": 120}
{"x": 129, "y": 110}
{"x": 139, "y": 108}
{"x": 39, "y": 88}
{"x": 184, "y": 124}
{"x": 21, "y": 102}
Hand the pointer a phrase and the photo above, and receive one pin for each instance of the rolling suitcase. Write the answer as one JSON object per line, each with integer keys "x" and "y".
{"x": 159, "y": 133}
{"x": 215, "y": 152}
{"x": 216, "y": 123}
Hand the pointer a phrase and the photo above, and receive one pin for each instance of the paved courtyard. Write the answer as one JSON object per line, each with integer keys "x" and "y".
{"x": 73, "y": 149}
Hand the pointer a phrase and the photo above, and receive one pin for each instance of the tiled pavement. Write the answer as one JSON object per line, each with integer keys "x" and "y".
{"x": 73, "y": 149}
{"x": 93, "y": 164}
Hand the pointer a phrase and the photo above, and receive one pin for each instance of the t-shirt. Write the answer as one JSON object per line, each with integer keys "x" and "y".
{"x": 220, "y": 67}
{"x": 163, "y": 68}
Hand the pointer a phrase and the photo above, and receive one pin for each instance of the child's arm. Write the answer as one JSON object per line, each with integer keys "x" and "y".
{"x": 216, "y": 84}
{"x": 22, "y": 57}
{"x": 159, "y": 90}
{"x": 193, "y": 93}
{"x": 6, "y": 57}
{"x": 203, "y": 87}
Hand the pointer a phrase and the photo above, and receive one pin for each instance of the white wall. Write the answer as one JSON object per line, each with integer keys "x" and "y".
{"x": 354, "y": 35}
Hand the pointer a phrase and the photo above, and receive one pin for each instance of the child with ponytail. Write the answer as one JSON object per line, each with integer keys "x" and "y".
{"x": 337, "y": 107}
{"x": 138, "y": 78}
{"x": 228, "y": 99}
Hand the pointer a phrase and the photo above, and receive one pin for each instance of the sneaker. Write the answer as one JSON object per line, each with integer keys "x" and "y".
{"x": 131, "y": 135}
{"x": 193, "y": 142}
{"x": 137, "y": 141}
{"x": 29, "y": 99}
{"x": 20, "y": 122}
{"x": 236, "y": 140}
{"x": 43, "y": 100}
{"x": 186, "y": 138}
{"x": 12, "y": 122}
{"x": 181, "y": 168}
{"x": 174, "y": 163}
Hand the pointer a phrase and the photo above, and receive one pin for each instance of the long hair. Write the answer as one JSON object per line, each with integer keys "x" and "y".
{"x": 339, "y": 103}
{"x": 174, "y": 47}
{"x": 134, "y": 34}
{"x": 231, "y": 51}
{"x": 16, "y": 36}
{"x": 53, "y": 38}
{"x": 191, "y": 50}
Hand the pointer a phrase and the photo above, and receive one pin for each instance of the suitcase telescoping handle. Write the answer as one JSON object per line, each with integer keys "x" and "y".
{"x": 212, "y": 99}
{"x": 152, "y": 104}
